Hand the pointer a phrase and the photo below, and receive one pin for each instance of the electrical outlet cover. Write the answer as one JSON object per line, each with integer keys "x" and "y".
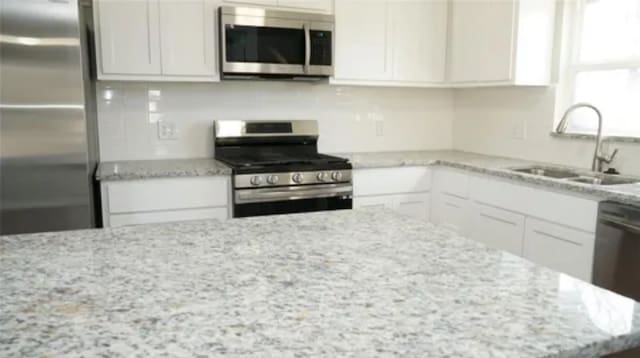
{"x": 167, "y": 130}
{"x": 519, "y": 130}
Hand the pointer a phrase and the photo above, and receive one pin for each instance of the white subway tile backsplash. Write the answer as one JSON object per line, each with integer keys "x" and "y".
{"x": 412, "y": 119}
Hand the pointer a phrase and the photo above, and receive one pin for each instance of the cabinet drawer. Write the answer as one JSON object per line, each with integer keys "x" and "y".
{"x": 414, "y": 205}
{"x": 166, "y": 194}
{"x": 451, "y": 182}
{"x": 391, "y": 181}
{"x": 373, "y": 202}
{"x": 559, "y": 248}
{"x": 569, "y": 210}
{"x": 451, "y": 212}
{"x": 168, "y": 216}
{"x": 499, "y": 229}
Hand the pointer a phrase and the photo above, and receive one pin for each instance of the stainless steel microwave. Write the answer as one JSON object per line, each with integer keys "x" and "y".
{"x": 257, "y": 42}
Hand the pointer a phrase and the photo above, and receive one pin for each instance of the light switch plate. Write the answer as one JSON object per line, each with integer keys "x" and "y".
{"x": 519, "y": 130}
{"x": 379, "y": 127}
{"x": 167, "y": 130}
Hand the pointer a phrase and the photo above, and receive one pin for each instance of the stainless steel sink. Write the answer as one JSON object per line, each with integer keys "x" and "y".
{"x": 558, "y": 173}
{"x": 604, "y": 180}
{"x": 575, "y": 176}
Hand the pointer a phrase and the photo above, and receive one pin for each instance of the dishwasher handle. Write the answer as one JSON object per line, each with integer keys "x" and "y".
{"x": 620, "y": 222}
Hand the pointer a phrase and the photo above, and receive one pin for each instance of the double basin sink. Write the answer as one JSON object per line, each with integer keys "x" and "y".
{"x": 577, "y": 176}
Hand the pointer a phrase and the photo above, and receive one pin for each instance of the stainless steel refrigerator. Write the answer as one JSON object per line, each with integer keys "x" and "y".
{"x": 48, "y": 134}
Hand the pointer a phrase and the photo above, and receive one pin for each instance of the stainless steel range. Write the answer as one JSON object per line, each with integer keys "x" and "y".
{"x": 277, "y": 168}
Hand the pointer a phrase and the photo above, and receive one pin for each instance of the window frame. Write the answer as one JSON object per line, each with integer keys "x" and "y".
{"x": 572, "y": 66}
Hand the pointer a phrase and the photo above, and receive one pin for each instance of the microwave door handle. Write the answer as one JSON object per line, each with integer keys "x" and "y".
{"x": 307, "y": 48}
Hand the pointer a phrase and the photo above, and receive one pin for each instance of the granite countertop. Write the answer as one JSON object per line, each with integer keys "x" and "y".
{"x": 494, "y": 166}
{"x": 483, "y": 164}
{"x": 166, "y": 168}
{"x": 361, "y": 283}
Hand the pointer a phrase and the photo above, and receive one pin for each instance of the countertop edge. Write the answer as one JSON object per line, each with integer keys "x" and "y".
{"x": 190, "y": 168}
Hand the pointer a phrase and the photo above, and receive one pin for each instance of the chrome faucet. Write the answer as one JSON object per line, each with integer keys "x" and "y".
{"x": 598, "y": 156}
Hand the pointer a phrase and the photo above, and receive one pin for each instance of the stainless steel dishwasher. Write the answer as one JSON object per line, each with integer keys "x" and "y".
{"x": 617, "y": 252}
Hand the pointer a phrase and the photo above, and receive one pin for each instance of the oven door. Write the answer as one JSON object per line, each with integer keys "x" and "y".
{"x": 288, "y": 200}
{"x": 251, "y": 45}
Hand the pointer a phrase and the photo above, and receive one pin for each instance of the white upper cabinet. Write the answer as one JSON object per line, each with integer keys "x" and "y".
{"x": 188, "y": 37}
{"x": 391, "y": 42}
{"x": 316, "y": 5}
{"x": 362, "y": 40}
{"x": 292, "y": 5}
{"x": 128, "y": 35}
{"x": 507, "y": 42}
{"x": 156, "y": 40}
{"x": 252, "y": 2}
{"x": 419, "y": 35}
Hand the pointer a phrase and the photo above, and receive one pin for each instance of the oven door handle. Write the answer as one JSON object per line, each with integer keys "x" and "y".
{"x": 292, "y": 193}
{"x": 307, "y": 47}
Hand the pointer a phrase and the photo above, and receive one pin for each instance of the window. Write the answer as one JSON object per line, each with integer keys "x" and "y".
{"x": 603, "y": 66}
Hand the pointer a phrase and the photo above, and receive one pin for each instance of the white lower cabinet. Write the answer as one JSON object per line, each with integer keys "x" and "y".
{"x": 130, "y": 202}
{"x": 552, "y": 229}
{"x": 168, "y": 216}
{"x": 451, "y": 212}
{"x": 405, "y": 190}
{"x": 415, "y": 205}
{"x": 497, "y": 228}
{"x": 373, "y": 202}
{"x": 560, "y": 248}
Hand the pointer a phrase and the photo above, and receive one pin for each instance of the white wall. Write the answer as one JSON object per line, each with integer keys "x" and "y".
{"x": 411, "y": 119}
{"x": 487, "y": 120}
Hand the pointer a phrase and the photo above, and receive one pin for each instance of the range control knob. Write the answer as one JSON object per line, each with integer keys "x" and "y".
{"x": 336, "y": 176}
{"x": 256, "y": 180}
{"x": 322, "y": 176}
{"x": 297, "y": 178}
{"x": 273, "y": 179}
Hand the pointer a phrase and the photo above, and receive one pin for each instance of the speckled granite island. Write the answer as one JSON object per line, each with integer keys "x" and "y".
{"x": 333, "y": 284}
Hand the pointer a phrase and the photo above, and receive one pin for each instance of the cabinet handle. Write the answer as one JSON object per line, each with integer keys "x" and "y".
{"x": 454, "y": 195}
{"x": 452, "y": 205}
{"x": 498, "y": 219}
{"x": 557, "y": 237}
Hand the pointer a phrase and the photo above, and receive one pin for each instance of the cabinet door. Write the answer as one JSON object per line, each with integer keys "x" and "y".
{"x": 379, "y": 181}
{"x": 362, "y": 30}
{"x": 482, "y": 40}
{"x": 128, "y": 35}
{"x": 253, "y": 2}
{"x": 499, "y": 229}
{"x": 414, "y": 205}
{"x": 451, "y": 212}
{"x": 419, "y": 35}
{"x": 373, "y": 202}
{"x": 559, "y": 248}
{"x": 188, "y": 37}
{"x": 317, "y": 5}
{"x": 167, "y": 216}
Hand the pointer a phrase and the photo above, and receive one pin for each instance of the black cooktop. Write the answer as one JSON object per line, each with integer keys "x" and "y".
{"x": 262, "y": 160}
